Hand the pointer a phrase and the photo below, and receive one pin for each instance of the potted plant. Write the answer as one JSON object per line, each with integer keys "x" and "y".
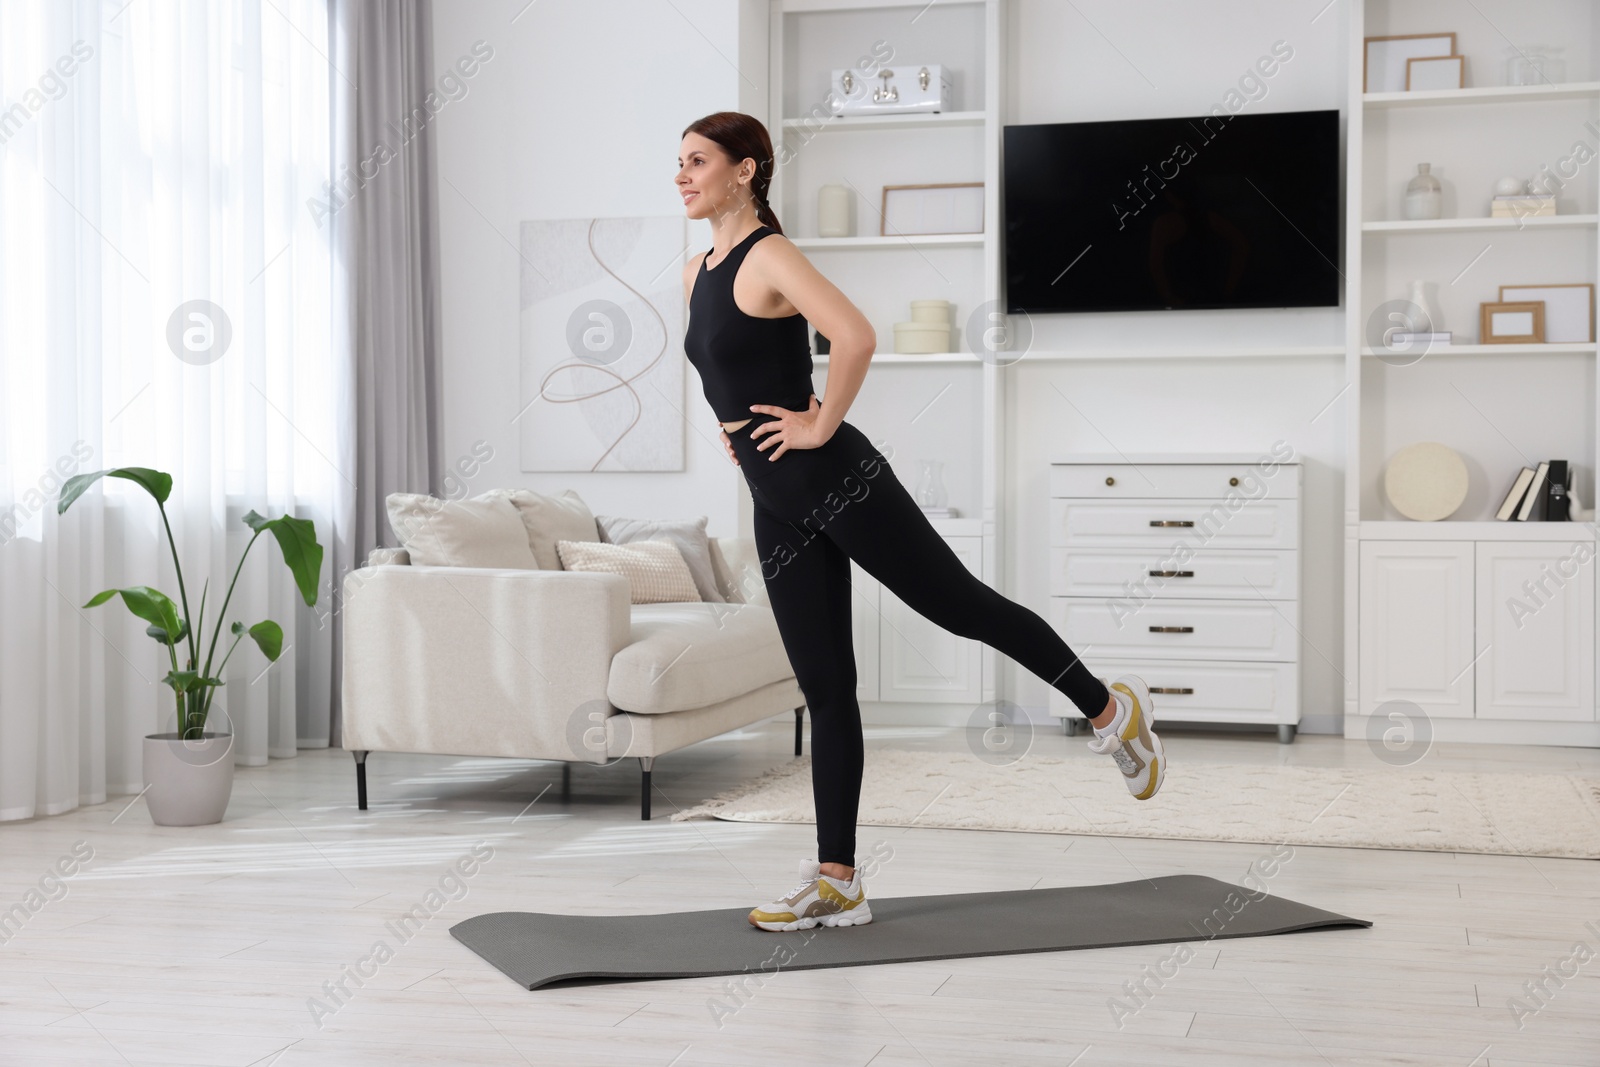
{"x": 188, "y": 773}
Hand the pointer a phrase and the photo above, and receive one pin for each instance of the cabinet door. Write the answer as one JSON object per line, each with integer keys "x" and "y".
{"x": 921, "y": 661}
{"x": 1535, "y": 618}
{"x": 1416, "y": 620}
{"x": 864, "y": 630}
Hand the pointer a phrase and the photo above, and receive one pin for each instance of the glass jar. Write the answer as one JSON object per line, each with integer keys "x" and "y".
{"x": 1424, "y": 199}
{"x": 1535, "y": 64}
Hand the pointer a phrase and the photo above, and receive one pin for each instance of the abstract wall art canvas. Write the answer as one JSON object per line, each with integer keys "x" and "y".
{"x": 601, "y": 344}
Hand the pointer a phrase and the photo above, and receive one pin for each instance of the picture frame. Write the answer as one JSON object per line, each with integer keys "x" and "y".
{"x": 1568, "y": 309}
{"x": 1432, "y": 73}
{"x": 939, "y": 207}
{"x": 1383, "y": 59}
{"x": 1511, "y": 322}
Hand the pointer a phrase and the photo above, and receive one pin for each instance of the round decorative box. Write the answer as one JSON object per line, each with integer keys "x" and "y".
{"x": 1426, "y": 481}
{"x": 921, "y": 338}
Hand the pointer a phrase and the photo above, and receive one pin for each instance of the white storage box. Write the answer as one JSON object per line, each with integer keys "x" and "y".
{"x": 892, "y": 90}
{"x": 921, "y": 338}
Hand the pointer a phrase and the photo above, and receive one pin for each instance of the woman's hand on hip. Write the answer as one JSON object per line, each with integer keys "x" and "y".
{"x": 791, "y": 429}
{"x": 728, "y": 444}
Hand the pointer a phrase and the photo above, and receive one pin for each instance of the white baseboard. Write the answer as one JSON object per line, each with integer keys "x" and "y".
{"x": 1487, "y": 731}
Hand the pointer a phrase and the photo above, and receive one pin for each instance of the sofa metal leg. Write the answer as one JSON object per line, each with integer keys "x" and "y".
{"x": 361, "y": 776}
{"x": 645, "y": 763}
{"x": 799, "y": 717}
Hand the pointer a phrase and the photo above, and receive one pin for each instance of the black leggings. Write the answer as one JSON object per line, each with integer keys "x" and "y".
{"x": 847, "y": 493}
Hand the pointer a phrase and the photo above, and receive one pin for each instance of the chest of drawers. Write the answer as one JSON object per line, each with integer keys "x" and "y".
{"x": 1185, "y": 570}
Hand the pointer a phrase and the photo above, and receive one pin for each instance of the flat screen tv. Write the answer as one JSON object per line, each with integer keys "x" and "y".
{"x": 1217, "y": 211}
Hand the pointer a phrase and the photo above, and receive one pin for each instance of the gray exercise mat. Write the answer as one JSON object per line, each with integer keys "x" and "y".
{"x": 536, "y": 949}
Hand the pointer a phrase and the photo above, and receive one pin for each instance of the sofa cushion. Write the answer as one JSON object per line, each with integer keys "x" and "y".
{"x": 548, "y": 519}
{"x": 655, "y": 569}
{"x": 481, "y": 532}
{"x": 684, "y": 656}
{"x": 688, "y": 534}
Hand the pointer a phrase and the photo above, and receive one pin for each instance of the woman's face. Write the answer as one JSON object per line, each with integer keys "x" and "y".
{"x": 709, "y": 184}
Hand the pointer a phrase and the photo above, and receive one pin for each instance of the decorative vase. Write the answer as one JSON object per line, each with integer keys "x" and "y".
{"x": 1427, "y": 321}
{"x": 1424, "y": 200}
{"x": 930, "y": 483}
{"x": 187, "y": 783}
{"x": 833, "y": 211}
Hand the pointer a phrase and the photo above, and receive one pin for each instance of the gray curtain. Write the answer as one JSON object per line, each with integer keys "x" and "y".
{"x": 387, "y": 277}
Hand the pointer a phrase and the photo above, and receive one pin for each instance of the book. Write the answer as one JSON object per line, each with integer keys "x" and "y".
{"x": 1400, "y": 337}
{"x": 1555, "y": 497}
{"x": 1521, "y": 207}
{"x": 1535, "y": 491}
{"x": 1519, "y": 487}
{"x": 1527, "y": 196}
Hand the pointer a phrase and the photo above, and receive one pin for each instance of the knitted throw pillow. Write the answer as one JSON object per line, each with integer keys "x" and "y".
{"x": 688, "y": 534}
{"x": 655, "y": 570}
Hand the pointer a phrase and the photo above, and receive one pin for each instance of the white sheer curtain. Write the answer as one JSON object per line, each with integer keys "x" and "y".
{"x": 154, "y": 154}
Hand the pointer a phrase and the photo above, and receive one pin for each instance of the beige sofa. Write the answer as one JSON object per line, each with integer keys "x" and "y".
{"x": 554, "y": 664}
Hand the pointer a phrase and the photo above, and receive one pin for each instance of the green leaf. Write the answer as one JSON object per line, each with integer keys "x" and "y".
{"x": 161, "y": 635}
{"x": 151, "y": 605}
{"x": 187, "y": 681}
{"x": 154, "y": 482}
{"x": 297, "y": 538}
{"x": 267, "y": 634}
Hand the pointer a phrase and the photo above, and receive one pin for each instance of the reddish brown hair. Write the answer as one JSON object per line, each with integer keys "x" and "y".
{"x": 741, "y": 137}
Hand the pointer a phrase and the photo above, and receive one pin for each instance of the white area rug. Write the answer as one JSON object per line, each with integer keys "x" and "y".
{"x": 1394, "y": 808}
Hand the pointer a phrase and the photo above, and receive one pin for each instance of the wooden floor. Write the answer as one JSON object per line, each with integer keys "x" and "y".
{"x": 213, "y": 945}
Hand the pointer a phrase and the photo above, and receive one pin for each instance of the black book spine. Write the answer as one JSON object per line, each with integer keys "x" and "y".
{"x": 1555, "y": 494}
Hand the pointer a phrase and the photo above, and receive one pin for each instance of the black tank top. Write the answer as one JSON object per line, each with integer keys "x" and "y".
{"x": 744, "y": 359}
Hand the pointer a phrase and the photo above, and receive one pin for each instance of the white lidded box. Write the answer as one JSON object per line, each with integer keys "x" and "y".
{"x": 921, "y": 338}
{"x": 894, "y": 89}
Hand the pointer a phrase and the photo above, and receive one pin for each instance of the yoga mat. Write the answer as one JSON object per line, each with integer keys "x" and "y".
{"x": 536, "y": 949}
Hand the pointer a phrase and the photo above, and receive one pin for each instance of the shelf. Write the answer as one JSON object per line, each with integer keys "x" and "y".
{"x": 1198, "y": 352}
{"x": 959, "y": 526}
{"x": 915, "y": 357}
{"x": 908, "y": 240}
{"x": 1447, "y": 530}
{"x": 1461, "y": 225}
{"x": 795, "y": 7}
{"x": 910, "y": 121}
{"x": 1497, "y": 94}
{"x": 1489, "y": 350}
{"x": 1044, "y": 355}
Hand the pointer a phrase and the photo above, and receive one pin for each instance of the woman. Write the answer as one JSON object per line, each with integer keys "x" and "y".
{"x": 823, "y": 495}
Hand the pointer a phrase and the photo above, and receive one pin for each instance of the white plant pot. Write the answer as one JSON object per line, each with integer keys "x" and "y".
{"x": 188, "y": 783}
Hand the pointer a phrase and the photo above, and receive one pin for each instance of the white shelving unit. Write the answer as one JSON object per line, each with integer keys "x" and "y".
{"x": 1429, "y": 625}
{"x": 902, "y": 660}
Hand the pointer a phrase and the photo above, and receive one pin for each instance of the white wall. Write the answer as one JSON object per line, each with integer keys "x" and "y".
{"x": 579, "y": 113}
{"x": 1111, "y": 59}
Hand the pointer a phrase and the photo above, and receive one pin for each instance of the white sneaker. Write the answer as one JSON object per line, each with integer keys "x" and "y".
{"x": 819, "y": 898}
{"x": 1131, "y": 742}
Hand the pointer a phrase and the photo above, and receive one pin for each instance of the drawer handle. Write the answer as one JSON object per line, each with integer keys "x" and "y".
{"x": 1233, "y": 481}
{"x": 1110, "y": 480}
{"x": 1171, "y": 690}
{"x": 1172, "y": 629}
{"x": 1172, "y": 574}
{"x": 1171, "y": 522}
